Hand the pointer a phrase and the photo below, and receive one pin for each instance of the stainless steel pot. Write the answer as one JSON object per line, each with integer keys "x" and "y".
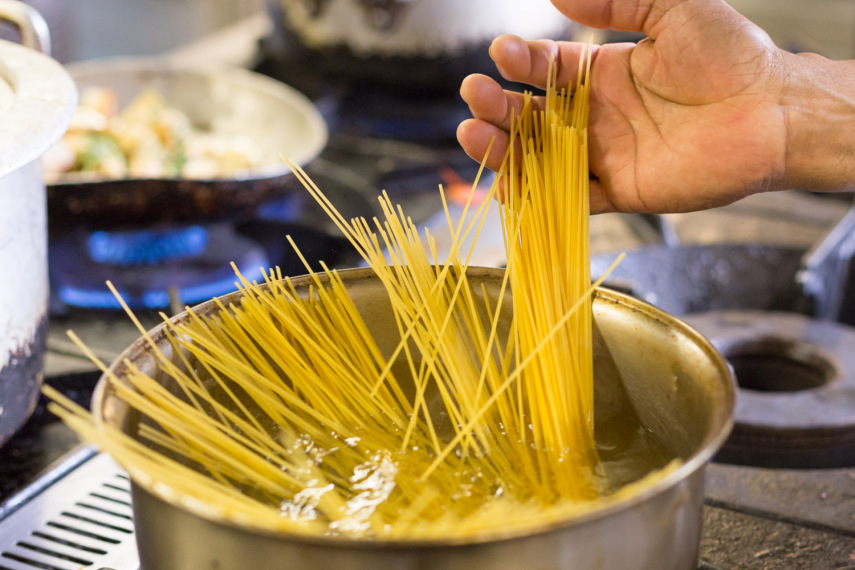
{"x": 37, "y": 99}
{"x": 418, "y": 47}
{"x": 646, "y": 363}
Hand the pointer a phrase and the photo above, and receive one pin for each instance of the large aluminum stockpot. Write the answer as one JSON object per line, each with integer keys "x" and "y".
{"x": 647, "y": 363}
{"x": 37, "y": 99}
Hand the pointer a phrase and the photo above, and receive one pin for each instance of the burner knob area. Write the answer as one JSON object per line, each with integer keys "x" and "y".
{"x": 795, "y": 405}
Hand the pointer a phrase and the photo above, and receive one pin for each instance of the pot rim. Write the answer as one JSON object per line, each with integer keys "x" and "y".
{"x": 43, "y": 100}
{"x": 723, "y": 420}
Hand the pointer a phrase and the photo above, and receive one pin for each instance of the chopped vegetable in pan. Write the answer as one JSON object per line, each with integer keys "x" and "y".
{"x": 148, "y": 139}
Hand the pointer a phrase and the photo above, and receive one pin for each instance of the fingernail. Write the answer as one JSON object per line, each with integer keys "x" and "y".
{"x": 492, "y": 48}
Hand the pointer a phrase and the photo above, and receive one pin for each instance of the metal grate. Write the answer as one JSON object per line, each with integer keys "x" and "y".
{"x": 80, "y": 519}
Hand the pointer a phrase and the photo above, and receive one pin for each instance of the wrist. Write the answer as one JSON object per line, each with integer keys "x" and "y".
{"x": 819, "y": 108}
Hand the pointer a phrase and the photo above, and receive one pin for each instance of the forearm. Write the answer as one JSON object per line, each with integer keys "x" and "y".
{"x": 819, "y": 107}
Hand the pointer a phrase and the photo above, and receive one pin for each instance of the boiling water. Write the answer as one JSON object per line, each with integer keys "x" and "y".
{"x": 627, "y": 449}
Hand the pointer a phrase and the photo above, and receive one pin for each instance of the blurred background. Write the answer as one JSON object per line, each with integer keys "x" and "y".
{"x": 85, "y": 29}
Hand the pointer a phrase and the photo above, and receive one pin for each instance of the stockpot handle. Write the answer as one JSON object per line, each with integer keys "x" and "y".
{"x": 32, "y": 26}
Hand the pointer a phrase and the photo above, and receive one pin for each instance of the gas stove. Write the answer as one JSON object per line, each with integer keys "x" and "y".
{"x": 64, "y": 506}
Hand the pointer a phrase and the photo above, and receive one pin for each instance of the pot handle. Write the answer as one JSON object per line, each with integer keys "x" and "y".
{"x": 32, "y": 26}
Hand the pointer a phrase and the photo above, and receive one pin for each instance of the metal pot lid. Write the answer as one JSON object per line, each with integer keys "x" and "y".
{"x": 37, "y": 100}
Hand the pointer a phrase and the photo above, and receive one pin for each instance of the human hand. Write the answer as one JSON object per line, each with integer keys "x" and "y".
{"x": 702, "y": 113}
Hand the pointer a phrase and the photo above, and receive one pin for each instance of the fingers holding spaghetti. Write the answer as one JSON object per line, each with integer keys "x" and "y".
{"x": 528, "y": 61}
{"x": 489, "y": 102}
{"x": 493, "y": 109}
{"x": 520, "y": 61}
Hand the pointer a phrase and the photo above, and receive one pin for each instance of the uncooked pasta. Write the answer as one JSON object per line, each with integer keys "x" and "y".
{"x": 282, "y": 411}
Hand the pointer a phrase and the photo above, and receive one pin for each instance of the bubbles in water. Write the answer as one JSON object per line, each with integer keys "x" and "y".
{"x": 376, "y": 481}
{"x": 464, "y": 492}
{"x": 302, "y": 508}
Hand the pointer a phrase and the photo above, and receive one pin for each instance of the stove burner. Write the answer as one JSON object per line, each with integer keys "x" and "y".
{"x": 146, "y": 247}
{"x": 778, "y": 365}
{"x": 151, "y": 268}
{"x": 796, "y": 376}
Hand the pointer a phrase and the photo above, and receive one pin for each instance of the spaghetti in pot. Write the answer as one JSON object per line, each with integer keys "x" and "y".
{"x": 281, "y": 410}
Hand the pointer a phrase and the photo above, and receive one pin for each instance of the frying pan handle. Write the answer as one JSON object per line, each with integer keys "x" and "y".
{"x": 31, "y": 24}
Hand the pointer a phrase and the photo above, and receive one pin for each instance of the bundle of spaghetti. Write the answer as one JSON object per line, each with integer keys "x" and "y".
{"x": 545, "y": 220}
{"x": 280, "y": 408}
